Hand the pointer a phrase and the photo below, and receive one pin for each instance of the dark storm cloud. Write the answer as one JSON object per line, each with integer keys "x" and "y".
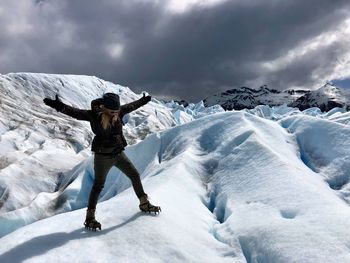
{"x": 187, "y": 55}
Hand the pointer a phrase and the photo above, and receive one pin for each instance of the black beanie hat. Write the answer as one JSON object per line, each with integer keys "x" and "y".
{"x": 111, "y": 101}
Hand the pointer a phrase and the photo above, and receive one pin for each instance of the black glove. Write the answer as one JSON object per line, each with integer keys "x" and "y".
{"x": 56, "y": 104}
{"x": 147, "y": 98}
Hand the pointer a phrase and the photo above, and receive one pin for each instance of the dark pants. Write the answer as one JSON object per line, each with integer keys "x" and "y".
{"x": 102, "y": 165}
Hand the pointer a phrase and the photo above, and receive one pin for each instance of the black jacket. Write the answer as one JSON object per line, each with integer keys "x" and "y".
{"x": 111, "y": 140}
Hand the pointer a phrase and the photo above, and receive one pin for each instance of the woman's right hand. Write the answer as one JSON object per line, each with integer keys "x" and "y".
{"x": 57, "y": 104}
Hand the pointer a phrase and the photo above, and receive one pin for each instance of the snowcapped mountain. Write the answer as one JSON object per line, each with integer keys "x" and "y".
{"x": 326, "y": 98}
{"x": 254, "y": 185}
{"x": 244, "y": 97}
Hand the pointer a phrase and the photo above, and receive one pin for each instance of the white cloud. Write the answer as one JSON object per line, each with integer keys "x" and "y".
{"x": 115, "y": 50}
{"x": 342, "y": 68}
{"x": 323, "y": 40}
{"x": 336, "y": 43}
{"x": 17, "y": 17}
{"x": 179, "y": 6}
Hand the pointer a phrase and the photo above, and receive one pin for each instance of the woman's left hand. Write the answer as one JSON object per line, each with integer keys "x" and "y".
{"x": 147, "y": 98}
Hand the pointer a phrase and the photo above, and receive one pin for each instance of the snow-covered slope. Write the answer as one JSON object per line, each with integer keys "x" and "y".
{"x": 279, "y": 112}
{"x": 326, "y": 98}
{"x": 233, "y": 187}
{"x": 39, "y": 146}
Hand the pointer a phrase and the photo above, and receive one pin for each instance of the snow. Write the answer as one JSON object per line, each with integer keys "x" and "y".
{"x": 269, "y": 184}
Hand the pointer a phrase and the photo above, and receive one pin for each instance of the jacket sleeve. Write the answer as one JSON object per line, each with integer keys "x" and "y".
{"x": 126, "y": 108}
{"x": 76, "y": 113}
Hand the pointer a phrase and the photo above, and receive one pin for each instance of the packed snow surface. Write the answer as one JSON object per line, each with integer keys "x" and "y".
{"x": 269, "y": 184}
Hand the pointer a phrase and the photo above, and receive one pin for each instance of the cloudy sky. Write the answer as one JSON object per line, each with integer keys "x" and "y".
{"x": 187, "y": 49}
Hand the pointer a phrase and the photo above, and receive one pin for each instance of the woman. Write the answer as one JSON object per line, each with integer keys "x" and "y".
{"x": 105, "y": 118}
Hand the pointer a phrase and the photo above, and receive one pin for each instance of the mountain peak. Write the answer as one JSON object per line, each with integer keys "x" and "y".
{"x": 326, "y": 97}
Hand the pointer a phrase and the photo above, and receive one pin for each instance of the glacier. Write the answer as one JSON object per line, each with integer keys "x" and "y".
{"x": 269, "y": 184}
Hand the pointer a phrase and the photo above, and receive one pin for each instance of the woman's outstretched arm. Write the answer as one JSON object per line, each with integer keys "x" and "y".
{"x": 68, "y": 110}
{"x": 126, "y": 108}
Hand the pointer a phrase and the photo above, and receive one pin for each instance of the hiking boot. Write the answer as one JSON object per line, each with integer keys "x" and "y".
{"x": 146, "y": 206}
{"x": 90, "y": 222}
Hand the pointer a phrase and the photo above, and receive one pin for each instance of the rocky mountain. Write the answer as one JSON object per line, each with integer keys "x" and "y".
{"x": 326, "y": 98}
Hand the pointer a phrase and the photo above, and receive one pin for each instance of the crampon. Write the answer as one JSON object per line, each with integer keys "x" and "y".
{"x": 92, "y": 225}
{"x": 146, "y": 206}
{"x": 90, "y": 222}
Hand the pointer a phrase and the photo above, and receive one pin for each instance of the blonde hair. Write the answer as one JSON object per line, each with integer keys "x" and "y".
{"x": 106, "y": 118}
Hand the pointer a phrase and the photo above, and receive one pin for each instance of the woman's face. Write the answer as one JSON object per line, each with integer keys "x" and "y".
{"x": 110, "y": 112}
